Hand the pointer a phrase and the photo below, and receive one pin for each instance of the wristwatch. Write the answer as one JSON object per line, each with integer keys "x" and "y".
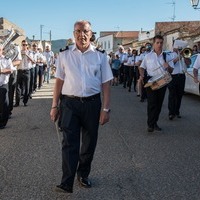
{"x": 106, "y": 110}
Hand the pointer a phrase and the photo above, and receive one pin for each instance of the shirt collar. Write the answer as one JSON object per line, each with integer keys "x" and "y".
{"x": 90, "y": 48}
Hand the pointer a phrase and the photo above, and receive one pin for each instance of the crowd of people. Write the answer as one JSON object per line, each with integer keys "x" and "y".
{"x": 129, "y": 66}
{"x": 83, "y": 72}
{"x": 22, "y": 76}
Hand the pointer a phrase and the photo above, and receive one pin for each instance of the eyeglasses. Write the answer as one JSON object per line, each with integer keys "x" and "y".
{"x": 34, "y": 46}
{"x": 78, "y": 32}
{"x": 24, "y": 44}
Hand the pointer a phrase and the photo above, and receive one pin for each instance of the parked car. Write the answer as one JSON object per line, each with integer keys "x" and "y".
{"x": 190, "y": 85}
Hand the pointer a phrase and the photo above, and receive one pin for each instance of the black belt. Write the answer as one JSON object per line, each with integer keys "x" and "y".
{"x": 23, "y": 70}
{"x": 178, "y": 74}
{"x": 82, "y": 98}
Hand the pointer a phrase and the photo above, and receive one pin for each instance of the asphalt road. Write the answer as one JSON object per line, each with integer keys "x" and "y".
{"x": 129, "y": 163}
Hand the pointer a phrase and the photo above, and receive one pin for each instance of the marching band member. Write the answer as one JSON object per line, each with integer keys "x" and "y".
{"x": 6, "y": 68}
{"x": 196, "y": 67}
{"x": 155, "y": 63}
{"x": 23, "y": 75}
{"x": 177, "y": 85}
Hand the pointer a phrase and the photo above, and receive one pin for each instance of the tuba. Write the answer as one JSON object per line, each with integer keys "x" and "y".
{"x": 10, "y": 50}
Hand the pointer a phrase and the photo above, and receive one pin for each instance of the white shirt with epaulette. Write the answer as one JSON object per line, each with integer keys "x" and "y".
{"x": 83, "y": 73}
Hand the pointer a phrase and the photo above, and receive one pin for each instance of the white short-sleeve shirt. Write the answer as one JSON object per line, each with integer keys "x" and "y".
{"x": 83, "y": 73}
{"x": 153, "y": 63}
{"x": 5, "y": 64}
{"x": 197, "y": 62}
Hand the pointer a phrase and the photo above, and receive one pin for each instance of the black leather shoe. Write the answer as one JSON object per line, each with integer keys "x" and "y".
{"x": 63, "y": 189}
{"x": 171, "y": 117}
{"x": 178, "y": 116}
{"x": 150, "y": 129}
{"x": 157, "y": 128}
{"x": 84, "y": 182}
{"x": 25, "y": 104}
{"x": 16, "y": 105}
{"x": 2, "y": 127}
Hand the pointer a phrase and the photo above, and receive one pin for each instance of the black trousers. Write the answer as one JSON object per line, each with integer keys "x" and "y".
{"x": 36, "y": 68}
{"x": 80, "y": 122}
{"x": 23, "y": 81}
{"x": 11, "y": 89}
{"x": 31, "y": 81}
{"x": 154, "y": 104}
{"x": 4, "y": 105}
{"x": 176, "y": 91}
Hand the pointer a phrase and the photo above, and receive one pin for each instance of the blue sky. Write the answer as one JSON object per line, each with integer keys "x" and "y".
{"x": 123, "y": 15}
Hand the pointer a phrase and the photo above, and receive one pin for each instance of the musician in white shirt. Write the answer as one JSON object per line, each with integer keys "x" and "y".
{"x": 6, "y": 68}
{"x": 155, "y": 64}
{"x": 177, "y": 85}
{"x": 196, "y": 67}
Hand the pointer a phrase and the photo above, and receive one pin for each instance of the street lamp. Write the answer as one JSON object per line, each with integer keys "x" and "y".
{"x": 195, "y": 3}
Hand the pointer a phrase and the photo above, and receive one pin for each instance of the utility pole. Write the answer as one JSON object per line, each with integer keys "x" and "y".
{"x": 41, "y": 27}
{"x": 50, "y": 36}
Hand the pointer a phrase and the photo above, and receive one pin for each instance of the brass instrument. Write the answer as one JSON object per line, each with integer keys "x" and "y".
{"x": 10, "y": 50}
{"x": 186, "y": 52}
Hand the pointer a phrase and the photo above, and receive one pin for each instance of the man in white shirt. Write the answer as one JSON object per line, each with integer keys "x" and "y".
{"x": 177, "y": 85}
{"x": 155, "y": 64}
{"x": 6, "y": 68}
{"x": 196, "y": 67}
{"x": 82, "y": 71}
{"x": 49, "y": 55}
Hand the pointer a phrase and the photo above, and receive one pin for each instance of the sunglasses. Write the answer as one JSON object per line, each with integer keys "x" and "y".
{"x": 24, "y": 44}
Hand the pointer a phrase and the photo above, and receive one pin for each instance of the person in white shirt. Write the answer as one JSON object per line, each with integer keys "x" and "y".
{"x": 177, "y": 85}
{"x": 196, "y": 68}
{"x": 49, "y": 55}
{"x": 155, "y": 64}
{"x": 82, "y": 72}
{"x": 6, "y": 68}
{"x": 23, "y": 75}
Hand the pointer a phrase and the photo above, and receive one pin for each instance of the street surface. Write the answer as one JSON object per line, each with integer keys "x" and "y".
{"x": 129, "y": 163}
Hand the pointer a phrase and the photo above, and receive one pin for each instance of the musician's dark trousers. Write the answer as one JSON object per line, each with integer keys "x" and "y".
{"x": 135, "y": 76}
{"x": 176, "y": 91}
{"x": 23, "y": 78}
{"x": 11, "y": 90}
{"x": 40, "y": 74}
{"x": 126, "y": 75}
{"x": 154, "y": 104}
{"x": 4, "y": 105}
{"x": 121, "y": 74}
{"x": 130, "y": 77}
{"x": 80, "y": 120}
{"x": 31, "y": 82}
{"x": 36, "y": 68}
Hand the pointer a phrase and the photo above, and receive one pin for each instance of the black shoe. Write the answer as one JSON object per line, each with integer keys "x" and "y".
{"x": 141, "y": 100}
{"x": 171, "y": 117}
{"x": 157, "y": 128}
{"x": 150, "y": 129}
{"x": 30, "y": 97}
{"x": 63, "y": 189}
{"x": 2, "y": 127}
{"x": 16, "y": 105}
{"x": 84, "y": 182}
{"x": 178, "y": 116}
{"x": 25, "y": 104}
{"x": 129, "y": 90}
